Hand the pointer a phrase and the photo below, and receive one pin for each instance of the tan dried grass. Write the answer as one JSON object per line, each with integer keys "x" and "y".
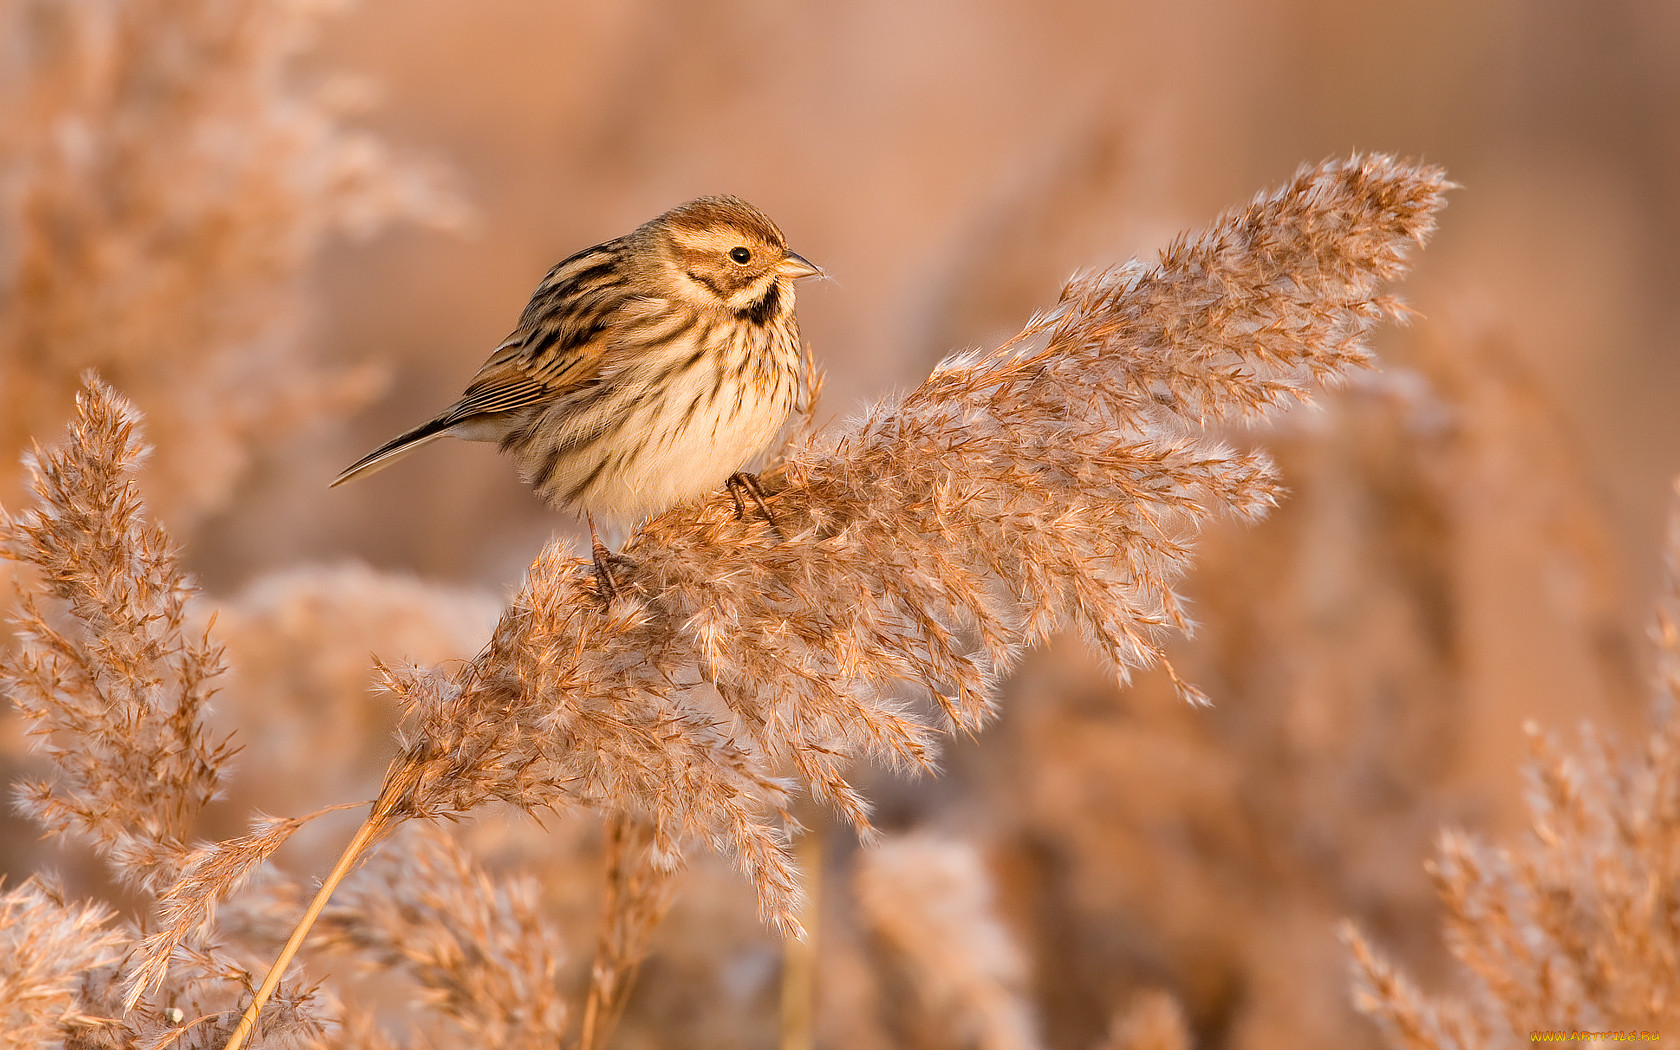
{"x": 1056, "y": 483}
{"x": 1576, "y": 928}
{"x": 1051, "y": 484}
{"x": 169, "y": 174}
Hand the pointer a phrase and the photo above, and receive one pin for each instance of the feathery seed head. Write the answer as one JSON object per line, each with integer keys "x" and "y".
{"x": 1056, "y": 483}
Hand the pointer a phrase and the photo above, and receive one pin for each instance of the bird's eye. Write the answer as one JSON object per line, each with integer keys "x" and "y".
{"x": 740, "y": 255}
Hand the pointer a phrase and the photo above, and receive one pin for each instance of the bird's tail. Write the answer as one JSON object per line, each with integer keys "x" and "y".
{"x": 401, "y": 445}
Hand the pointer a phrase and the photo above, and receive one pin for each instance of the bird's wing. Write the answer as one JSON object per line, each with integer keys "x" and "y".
{"x": 561, "y": 340}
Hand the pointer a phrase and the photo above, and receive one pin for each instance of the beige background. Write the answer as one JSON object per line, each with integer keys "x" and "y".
{"x": 951, "y": 163}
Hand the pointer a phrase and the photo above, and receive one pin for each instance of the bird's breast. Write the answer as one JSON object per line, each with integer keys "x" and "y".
{"x": 670, "y": 423}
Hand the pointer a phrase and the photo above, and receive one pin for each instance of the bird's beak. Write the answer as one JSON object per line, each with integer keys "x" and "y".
{"x": 795, "y": 266}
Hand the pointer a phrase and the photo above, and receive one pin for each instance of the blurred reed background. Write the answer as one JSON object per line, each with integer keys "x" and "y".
{"x": 951, "y": 167}
{"x": 291, "y": 242}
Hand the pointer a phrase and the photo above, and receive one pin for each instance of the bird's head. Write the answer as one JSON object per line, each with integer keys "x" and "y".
{"x": 722, "y": 253}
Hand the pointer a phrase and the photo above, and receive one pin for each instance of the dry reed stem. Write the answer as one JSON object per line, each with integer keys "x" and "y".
{"x": 347, "y": 860}
{"x": 636, "y": 897}
{"x": 479, "y": 950}
{"x": 799, "y": 955}
{"x": 1055, "y": 483}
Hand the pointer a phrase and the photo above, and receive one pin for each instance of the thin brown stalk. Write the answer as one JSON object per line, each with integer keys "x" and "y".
{"x": 635, "y": 899}
{"x": 799, "y": 954}
{"x": 476, "y": 947}
{"x": 353, "y": 851}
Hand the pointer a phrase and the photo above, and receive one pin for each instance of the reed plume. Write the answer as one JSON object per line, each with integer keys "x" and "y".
{"x": 1575, "y": 929}
{"x": 1055, "y": 483}
{"x": 112, "y": 672}
{"x": 1154, "y": 1021}
{"x": 479, "y": 950}
{"x": 112, "y": 682}
{"x": 48, "y": 947}
{"x": 116, "y": 702}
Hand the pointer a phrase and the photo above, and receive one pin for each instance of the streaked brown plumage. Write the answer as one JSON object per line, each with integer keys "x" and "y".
{"x": 645, "y": 371}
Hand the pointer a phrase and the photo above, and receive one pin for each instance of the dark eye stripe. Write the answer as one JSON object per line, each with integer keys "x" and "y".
{"x": 709, "y": 283}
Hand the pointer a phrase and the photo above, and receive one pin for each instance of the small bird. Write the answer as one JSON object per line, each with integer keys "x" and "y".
{"x": 645, "y": 371}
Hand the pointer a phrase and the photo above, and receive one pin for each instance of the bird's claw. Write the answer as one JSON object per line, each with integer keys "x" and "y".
{"x": 740, "y": 482}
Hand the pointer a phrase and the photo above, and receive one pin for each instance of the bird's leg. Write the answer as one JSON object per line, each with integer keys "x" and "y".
{"x": 740, "y": 482}
{"x": 604, "y": 582}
